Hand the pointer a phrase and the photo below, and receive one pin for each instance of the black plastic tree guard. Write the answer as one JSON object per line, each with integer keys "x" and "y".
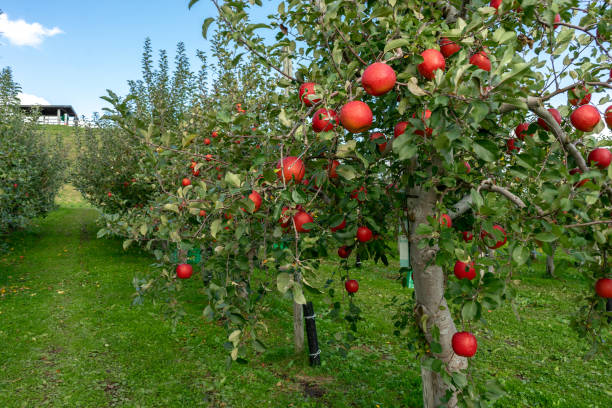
{"x": 357, "y": 261}
{"x": 311, "y": 333}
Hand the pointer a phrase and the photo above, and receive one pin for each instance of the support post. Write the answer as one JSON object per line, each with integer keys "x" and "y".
{"x": 311, "y": 333}
{"x": 59, "y": 117}
{"x": 404, "y": 252}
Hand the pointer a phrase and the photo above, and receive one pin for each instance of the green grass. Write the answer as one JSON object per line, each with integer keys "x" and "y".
{"x": 69, "y": 337}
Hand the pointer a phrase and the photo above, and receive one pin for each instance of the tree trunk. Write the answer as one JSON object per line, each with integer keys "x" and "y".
{"x": 429, "y": 290}
{"x": 298, "y": 321}
{"x": 550, "y": 266}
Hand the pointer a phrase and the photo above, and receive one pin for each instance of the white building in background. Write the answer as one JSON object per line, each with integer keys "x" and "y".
{"x": 54, "y": 114}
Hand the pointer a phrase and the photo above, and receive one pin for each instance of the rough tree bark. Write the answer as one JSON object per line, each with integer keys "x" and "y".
{"x": 429, "y": 290}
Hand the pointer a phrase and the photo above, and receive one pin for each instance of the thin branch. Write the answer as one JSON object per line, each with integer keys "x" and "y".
{"x": 586, "y": 224}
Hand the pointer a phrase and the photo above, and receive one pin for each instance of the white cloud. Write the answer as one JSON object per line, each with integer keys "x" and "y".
{"x": 19, "y": 32}
{"x": 27, "y": 99}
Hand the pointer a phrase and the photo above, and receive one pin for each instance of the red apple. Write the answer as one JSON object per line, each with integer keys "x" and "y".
{"x": 184, "y": 271}
{"x": 356, "y": 116}
{"x": 208, "y": 157}
{"x": 195, "y": 172}
{"x": 332, "y": 171}
{"x": 521, "y": 131}
{"x": 355, "y": 193}
{"x": 448, "y": 47}
{"x": 186, "y": 182}
{"x": 465, "y": 271}
{"x": 426, "y": 115}
{"x": 109, "y": 193}
{"x": 378, "y": 79}
{"x": 481, "y": 60}
{"x": 256, "y": 199}
{"x": 228, "y": 216}
{"x": 214, "y": 134}
{"x": 193, "y": 164}
{"x": 207, "y": 141}
{"x": 339, "y": 227}
{"x": 344, "y": 252}
{"x": 484, "y": 234}
{"x": 324, "y": 120}
{"x": 464, "y": 343}
{"x": 432, "y": 60}
{"x": 581, "y": 182}
{"x": 603, "y": 287}
{"x": 351, "y": 286}
{"x": 301, "y": 218}
{"x": 608, "y": 116}
{"x": 467, "y": 236}
{"x": 600, "y": 157}
{"x": 555, "y": 113}
{"x": 574, "y": 94}
{"x": 467, "y": 166}
{"x": 291, "y": 168}
{"x": 202, "y": 213}
{"x": 306, "y": 90}
{"x": 585, "y": 118}
{"x": 364, "y": 234}
{"x": 557, "y": 21}
{"x": 446, "y": 221}
{"x": 378, "y": 135}
{"x": 495, "y": 3}
{"x": 400, "y": 128}
{"x": 284, "y": 220}
{"x": 511, "y": 146}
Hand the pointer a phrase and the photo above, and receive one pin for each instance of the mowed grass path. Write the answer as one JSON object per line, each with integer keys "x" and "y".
{"x": 69, "y": 337}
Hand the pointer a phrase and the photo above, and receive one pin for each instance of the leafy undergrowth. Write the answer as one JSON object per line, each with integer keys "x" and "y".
{"x": 70, "y": 337}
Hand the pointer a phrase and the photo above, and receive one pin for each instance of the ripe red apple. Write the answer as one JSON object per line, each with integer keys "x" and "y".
{"x": 573, "y": 96}
{"x": 206, "y": 141}
{"x": 228, "y": 216}
{"x": 202, "y": 213}
{"x": 585, "y": 118}
{"x": 521, "y": 131}
{"x": 555, "y": 113}
{"x": 608, "y": 116}
{"x": 284, "y": 220}
{"x": 256, "y": 199}
{"x": 339, "y": 227}
{"x": 481, "y": 60}
{"x": 184, "y": 271}
{"x": 364, "y": 234}
{"x": 351, "y": 286}
{"x": 467, "y": 166}
{"x": 186, "y": 182}
{"x": 446, "y": 221}
{"x": 355, "y": 193}
{"x": 464, "y": 343}
{"x": 557, "y": 21}
{"x": 465, "y": 271}
{"x": 193, "y": 164}
{"x": 511, "y": 146}
{"x": 467, "y": 236}
{"x": 291, "y": 167}
{"x": 378, "y": 79}
{"x": 195, "y": 172}
{"x": 344, "y": 252}
{"x": 214, "y": 134}
{"x": 356, "y": 116}
{"x": 109, "y": 193}
{"x": 432, "y": 60}
{"x": 495, "y": 3}
{"x": 306, "y": 90}
{"x": 400, "y": 128}
{"x": 600, "y": 157}
{"x": 603, "y": 287}
{"x": 208, "y": 157}
{"x": 581, "y": 182}
{"x": 448, "y": 47}
{"x": 378, "y": 135}
{"x": 484, "y": 234}
{"x": 332, "y": 171}
{"x": 301, "y": 218}
{"x": 324, "y": 120}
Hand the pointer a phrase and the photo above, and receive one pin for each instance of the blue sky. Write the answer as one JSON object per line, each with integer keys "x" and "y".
{"x": 99, "y": 47}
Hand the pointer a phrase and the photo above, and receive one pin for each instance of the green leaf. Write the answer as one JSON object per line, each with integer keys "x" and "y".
{"x": 346, "y": 171}
{"x": 460, "y": 379}
{"x": 283, "y": 118}
{"x": 283, "y": 282}
{"x": 232, "y": 179}
{"x": 520, "y": 254}
{"x": 215, "y": 227}
{"x": 414, "y": 88}
{"x": 206, "y": 24}
{"x": 171, "y": 207}
{"x": 127, "y": 243}
{"x": 259, "y": 346}
{"x": 144, "y": 228}
{"x": 298, "y": 295}
{"x": 234, "y": 336}
{"x": 191, "y": 3}
{"x": 298, "y": 197}
{"x": 400, "y": 42}
{"x": 546, "y": 237}
{"x": 208, "y": 313}
{"x": 346, "y": 148}
{"x": 485, "y": 149}
{"x": 479, "y": 111}
{"x": 469, "y": 310}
